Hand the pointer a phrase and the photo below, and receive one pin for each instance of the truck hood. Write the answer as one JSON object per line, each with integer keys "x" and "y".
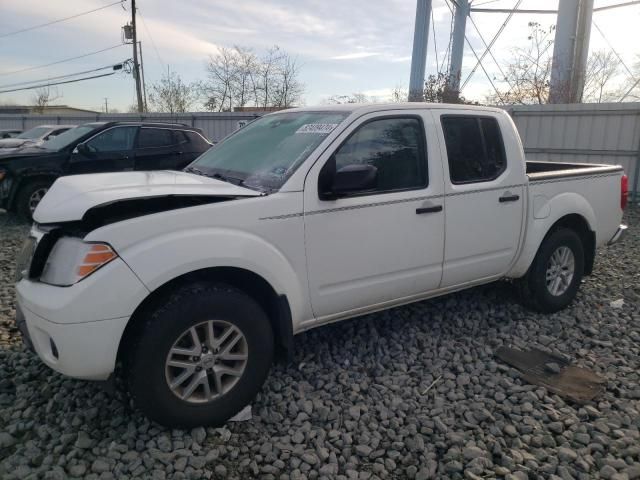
{"x": 70, "y": 198}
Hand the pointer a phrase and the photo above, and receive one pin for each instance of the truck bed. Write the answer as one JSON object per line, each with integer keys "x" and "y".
{"x": 537, "y": 171}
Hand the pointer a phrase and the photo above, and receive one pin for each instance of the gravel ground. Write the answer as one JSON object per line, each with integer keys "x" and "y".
{"x": 353, "y": 404}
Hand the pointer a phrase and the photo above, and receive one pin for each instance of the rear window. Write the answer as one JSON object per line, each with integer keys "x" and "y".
{"x": 155, "y": 137}
{"x": 475, "y": 150}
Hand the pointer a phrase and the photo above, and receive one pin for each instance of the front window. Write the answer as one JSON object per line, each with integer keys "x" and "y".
{"x": 265, "y": 153}
{"x": 34, "y": 133}
{"x": 67, "y": 138}
{"x": 116, "y": 139}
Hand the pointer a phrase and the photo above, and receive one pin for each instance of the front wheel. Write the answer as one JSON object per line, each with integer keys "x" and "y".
{"x": 554, "y": 277}
{"x": 200, "y": 357}
{"x": 30, "y": 195}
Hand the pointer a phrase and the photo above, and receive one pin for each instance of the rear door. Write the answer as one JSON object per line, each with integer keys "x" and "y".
{"x": 158, "y": 149}
{"x": 483, "y": 197}
{"x": 111, "y": 150}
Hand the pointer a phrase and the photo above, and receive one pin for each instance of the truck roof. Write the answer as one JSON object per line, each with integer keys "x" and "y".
{"x": 378, "y": 107}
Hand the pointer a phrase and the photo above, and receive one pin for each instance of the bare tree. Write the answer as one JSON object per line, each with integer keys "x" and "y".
{"x": 171, "y": 94}
{"x": 399, "y": 94}
{"x": 436, "y": 90}
{"x": 238, "y": 77}
{"x": 43, "y": 97}
{"x": 357, "y": 97}
{"x": 602, "y": 69}
{"x": 529, "y": 70}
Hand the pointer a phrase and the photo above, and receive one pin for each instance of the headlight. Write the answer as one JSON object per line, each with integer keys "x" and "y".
{"x": 71, "y": 260}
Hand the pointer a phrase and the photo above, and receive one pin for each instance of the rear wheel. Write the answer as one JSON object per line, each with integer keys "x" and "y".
{"x": 30, "y": 195}
{"x": 554, "y": 277}
{"x": 200, "y": 357}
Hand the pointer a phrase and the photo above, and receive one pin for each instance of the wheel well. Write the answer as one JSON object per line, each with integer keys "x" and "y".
{"x": 578, "y": 224}
{"x": 275, "y": 306}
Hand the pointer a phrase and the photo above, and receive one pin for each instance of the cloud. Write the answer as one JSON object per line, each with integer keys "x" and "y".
{"x": 355, "y": 56}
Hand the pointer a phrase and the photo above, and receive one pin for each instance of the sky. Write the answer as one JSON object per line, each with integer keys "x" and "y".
{"x": 342, "y": 46}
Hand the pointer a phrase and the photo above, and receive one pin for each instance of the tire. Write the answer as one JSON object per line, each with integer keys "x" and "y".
{"x": 25, "y": 198}
{"x": 534, "y": 290}
{"x": 148, "y": 374}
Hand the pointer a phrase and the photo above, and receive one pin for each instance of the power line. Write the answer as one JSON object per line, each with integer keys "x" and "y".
{"x": 58, "y": 83}
{"x": 493, "y": 40}
{"x": 28, "y": 29}
{"x": 28, "y": 69}
{"x": 483, "y": 69}
{"x": 19, "y": 84}
{"x": 146, "y": 29}
{"x": 504, "y": 77}
{"x": 614, "y": 50}
{"x": 435, "y": 43}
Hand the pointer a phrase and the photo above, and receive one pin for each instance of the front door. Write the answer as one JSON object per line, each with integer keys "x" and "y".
{"x": 385, "y": 243}
{"x": 484, "y": 198}
{"x": 108, "y": 151}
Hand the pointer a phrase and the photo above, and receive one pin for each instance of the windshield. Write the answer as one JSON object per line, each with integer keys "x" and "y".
{"x": 265, "y": 153}
{"x": 68, "y": 137}
{"x": 34, "y": 133}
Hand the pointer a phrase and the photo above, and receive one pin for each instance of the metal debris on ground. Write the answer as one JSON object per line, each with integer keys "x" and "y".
{"x": 243, "y": 415}
{"x": 617, "y": 303}
{"x": 554, "y": 373}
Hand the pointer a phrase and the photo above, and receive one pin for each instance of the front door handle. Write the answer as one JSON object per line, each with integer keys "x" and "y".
{"x": 434, "y": 209}
{"x": 509, "y": 198}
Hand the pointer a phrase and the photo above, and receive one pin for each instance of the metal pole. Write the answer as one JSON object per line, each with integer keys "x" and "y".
{"x": 419, "y": 54}
{"x": 144, "y": 83}
{"x": 563, "y": 51}
{"x": 136, "y": 65}
{"x": 582, "y": 49}
{"x": 457, "y": 45}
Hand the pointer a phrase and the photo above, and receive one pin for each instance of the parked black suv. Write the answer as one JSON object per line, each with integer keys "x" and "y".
{"x": 91, "y": 148}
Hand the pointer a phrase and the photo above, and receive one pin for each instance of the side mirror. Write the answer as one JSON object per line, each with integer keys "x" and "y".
{"x": 82, "y": 149}
{"x": 349, "y": 180}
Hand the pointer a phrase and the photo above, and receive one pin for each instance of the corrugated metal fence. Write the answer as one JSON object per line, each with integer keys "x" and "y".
{"x": 216, "y": 126}
{"x": 593, "y": 133}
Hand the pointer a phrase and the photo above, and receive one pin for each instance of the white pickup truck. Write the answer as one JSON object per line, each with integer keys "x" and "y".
{"x": 194, "y": 280}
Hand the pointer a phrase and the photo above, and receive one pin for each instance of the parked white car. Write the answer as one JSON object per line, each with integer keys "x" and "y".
{"x": 33, "y": 137}
{"x": 194, "y": 280}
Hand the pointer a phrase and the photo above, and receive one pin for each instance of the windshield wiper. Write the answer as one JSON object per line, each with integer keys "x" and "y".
{"x": 216, "y": 175}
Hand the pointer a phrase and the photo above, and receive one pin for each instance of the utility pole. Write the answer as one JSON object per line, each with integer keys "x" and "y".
{"x": 144, "y": 83}
{"x": 583, "y": 36}
{"x": 106, "y": 105}
{"x": 457, "y": 46}
{"x": 136, "y": 65}
{"x": 419, "y": 54}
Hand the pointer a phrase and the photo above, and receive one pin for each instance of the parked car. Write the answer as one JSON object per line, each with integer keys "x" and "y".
{"x": 194, "y": 280}
{"x": 32, "y": 137}
{"x": 26, "y": 175}
{"x": 9, "y": 132}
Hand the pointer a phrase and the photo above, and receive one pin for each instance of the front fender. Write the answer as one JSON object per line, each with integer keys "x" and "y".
{"x": 543, "y": 213}
{"x": 163, "y": 258}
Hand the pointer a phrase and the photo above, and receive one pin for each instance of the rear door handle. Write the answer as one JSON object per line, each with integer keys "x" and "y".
{"x": 434, "y": 209}
{"x": 509, "y": 198}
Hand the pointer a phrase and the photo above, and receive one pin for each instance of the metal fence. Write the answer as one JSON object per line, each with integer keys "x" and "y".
{"x": 216, "y": 126}
{"x": 592, "y": 133}
{"x": 589, "y": 133}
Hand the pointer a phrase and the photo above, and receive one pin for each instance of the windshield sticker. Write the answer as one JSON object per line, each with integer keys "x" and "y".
{"x": 317, "y": 128}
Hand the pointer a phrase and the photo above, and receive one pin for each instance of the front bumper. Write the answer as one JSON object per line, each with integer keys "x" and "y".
{"x": 619, "y": 235}
{"x": 76, "y": 330}
{"x": 80, "y": 350}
